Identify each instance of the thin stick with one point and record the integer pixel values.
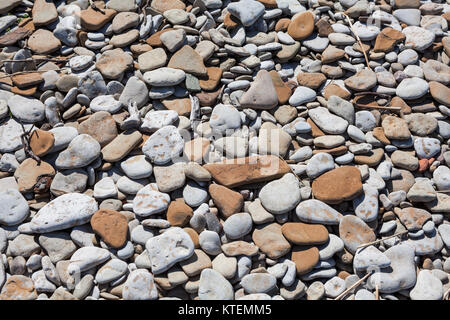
(378, 241)
(359, 41)
(377, 292)
(357, 283)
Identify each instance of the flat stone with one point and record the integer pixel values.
(413, 218)
(82, 150)
(164, 77)
(282, 195)
(305, 234)
(316, 211)
(113, 63)
(261, 94)
(171, 247)
(179, 213)
(395, 128)
(149, 201)
(28, 110)
(270, 240)
(64, 212)
(273, 140)
(427, 287)
(152, 60)
(214, 286)
(140, 285)
(121, 145)
(305, 258)
(366, 205)
(100, 126)
(258, 283)
(354, 232)
(41, 142)
(164, 145)
(228, 201)
(111, 225)
(43, 41)
(188, 60)
(29, 173)
(237, 172)
(93, 20)
(246, 11)
(370, 257)
(301, 26)
(328, 122)
(13, 207)
(18, 287)
(329, 187)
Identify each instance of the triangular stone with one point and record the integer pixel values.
(188, 60)
(262, 93)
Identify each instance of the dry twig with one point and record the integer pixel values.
(357, 283)
(379, 240)
(359, 41)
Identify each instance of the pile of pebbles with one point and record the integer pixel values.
(217, 149)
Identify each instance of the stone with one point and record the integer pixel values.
(366, 205)
(427, 287)
(228, 202)
(18, 287)
(401, 274)
(362, 80)
(327, 122)
(316, 211)
(301, 26)
(329, 187)
(258, 283)
(100, 126)
(29, 174)
(164, 77)
(66, 211)
(354, 232)
(13, 207)
(421, 124)
(395, 128)
(28, 110)
(169, 248)
(82, 150)
(237, 172)
(281, 196)
(305, 234)
(273, 140)
(305, 258)
(43, 13)
(149, 201)
(188, 60)
(214, 286)
(197, 262)
(247, 12)
(111, 225)
(413, 218)
(370, 257)
(440, 92)
(140, 285)
(270, 240)
(113, 63)
(58, 245)
(152, 60)
(43, 41)
(419, 38)
(164, 145)
(121, 145)
(261, 94)
(179, 213)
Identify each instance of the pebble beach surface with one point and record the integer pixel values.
(217, 149)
